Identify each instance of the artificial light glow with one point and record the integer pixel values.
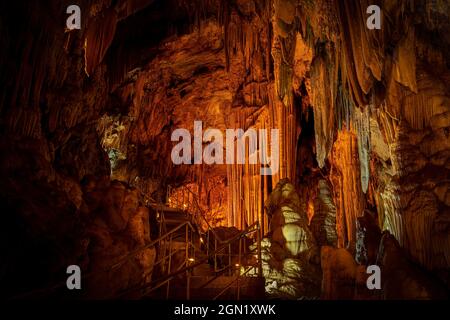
(310, 210)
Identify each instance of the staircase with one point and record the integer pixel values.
(191, 263)
(196, 264)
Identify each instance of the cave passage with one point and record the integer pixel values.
(225, 149)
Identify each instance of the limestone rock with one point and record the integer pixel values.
(289, 254)
(323, 223)
(119, 227)
(289, 225)
(339, 273)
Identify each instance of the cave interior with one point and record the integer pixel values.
(361, 149)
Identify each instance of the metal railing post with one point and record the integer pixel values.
(229, 258)
(187, 262)
(258, 234)
(207, 242)
(169, 266)
(238, 284)
(215, 254)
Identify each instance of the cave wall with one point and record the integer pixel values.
(49, 111)
(391, 101)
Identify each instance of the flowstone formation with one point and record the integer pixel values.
(323, 223)
(289, 255)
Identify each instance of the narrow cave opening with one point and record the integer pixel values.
(306, 157)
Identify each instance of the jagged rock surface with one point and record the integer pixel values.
(118, 226)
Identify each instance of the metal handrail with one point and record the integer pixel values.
(216, 236)
(224, 243)
(202, 214)
(149, 287)
(169, 277)
(152, 243)
(218, 274)
(168, 236)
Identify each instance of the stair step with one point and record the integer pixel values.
(176, 215)
(251, 288)
(203, 270)
(203, 280)
(221, 281)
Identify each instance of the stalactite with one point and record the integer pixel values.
(309, 34)
(344, 108)
(324, 78)
(365, 49)
(361, 125)
(245, 183)
(350, 202)
(284, 78)
(99, 36)
(248, 37)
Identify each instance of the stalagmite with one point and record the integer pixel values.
(288, 255)
(344, 108)
(323, 223)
